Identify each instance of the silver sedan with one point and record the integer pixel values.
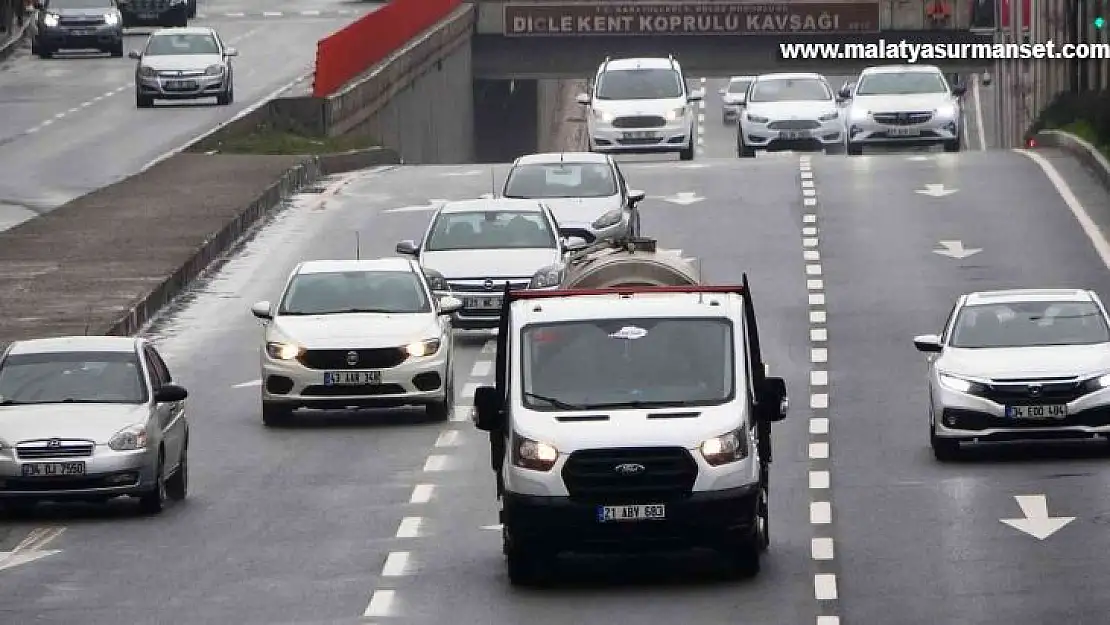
(91, 418)
(1019, 365)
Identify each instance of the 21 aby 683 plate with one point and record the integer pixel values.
(638, 512)
(53, 469)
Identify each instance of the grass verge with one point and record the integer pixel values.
(281, 142)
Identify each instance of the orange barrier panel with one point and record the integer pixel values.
(346, 53)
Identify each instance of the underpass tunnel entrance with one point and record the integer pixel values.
(506, 119)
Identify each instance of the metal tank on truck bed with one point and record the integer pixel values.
(621, 262)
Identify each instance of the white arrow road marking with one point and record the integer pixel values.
(685, 198)
(496, 527)
(936, 190)
(247, 384)
(430, 206)
(956, 249)
(1037, 523)
(31, 548)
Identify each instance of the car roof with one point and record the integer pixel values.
(617, 306)
(388, 263)
(1027, 295)
(492, 204)
(898, 69)
(61, 344)
(640, 63)
(790, 76)
(184, 30)
(568, 157)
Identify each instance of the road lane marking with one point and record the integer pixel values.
(409, 527)
(482, 369)
(422, 493)
(31, 548)
(435, 463)
(828, 620)
(821, 548)
(816, 299)
(813, 269)
(1090, 228)
(824, 586)
(818, 378)
(820, 513)
(461, 413)
(809, 231)
(448, 438)
(811, 256)
(818, 335)
(818, 451)
(247, 384)
(815, 284)
(818, 480)
(819, 425)
(809, 242)
(817, 316)
(818, 355)
(470, 389)
(381, 604)
(396, 564)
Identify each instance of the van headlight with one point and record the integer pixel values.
(960, 385)
(129, 439)
(756, 119)
(422, 348)
(604, 117)
(547, 277)
(828, 117)
(279, 350)
(534, 455)
(609, 219)
(726, 448)
(948, 111)
(50, 20)
(676, 114)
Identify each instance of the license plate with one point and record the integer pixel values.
(483, 303)
(80, 32)
(147, 15)
(641, 134)
(181, 84)
(640, 512)
(53, 469)
(352, 378)
(1051, 411)
(903, 132)
(795, 134)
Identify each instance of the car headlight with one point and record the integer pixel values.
(534, 455)
(947, 111)
(282, 351)
(603, 116)
(960, 385)
(828, 117)
(422, 348)
(148, 72)
(676, 114)
(610, 218)
(756, 119)
(547, 277)
(436, 281)
(50, 20)
(129, 439)
(111, 19)
(726, 448)
(214, 70)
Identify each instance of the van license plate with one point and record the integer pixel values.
(645, 512)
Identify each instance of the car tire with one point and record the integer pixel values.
(45, 53)
(177, 486)
(275, 414)
(34, 45)
(116, 50)
(952, 146)
(944, 449)
(143, 101)
(634, 225)
(523, 564)
(687, 153)
(742, 150)
(153, 501)
(441, 410)
(227, 97)
(855, 149)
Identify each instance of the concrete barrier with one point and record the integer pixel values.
(1081, 149)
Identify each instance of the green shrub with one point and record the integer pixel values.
(1084, 114)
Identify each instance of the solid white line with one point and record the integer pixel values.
(818, 451)
(813, 270)
(807, 184)
(821, 548)
(381, 603)
(828, 620)
(809, 219)
(819, 425)
(978, 112)
(820, 513)
(818, 335)
(435, 463)
(824, 586)
(809, 242)
(59, 115)
(818, 480)
(809, 231)
(422, 493)
(815, 285)
(481, 369)
(86, 104)
(107, 94)
(816, 299)
(819, 400)
(818, 378)
(1089, 227)
(470, 389)
(448, 438)
(409, 527)
(817, 316)
(395, 564)
(818, 354)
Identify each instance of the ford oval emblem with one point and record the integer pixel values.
(629, 469)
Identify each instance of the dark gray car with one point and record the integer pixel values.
(77, 25)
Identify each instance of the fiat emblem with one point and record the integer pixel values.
(629, 469)
(352, 358)
(488, 284)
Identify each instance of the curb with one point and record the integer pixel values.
(145, 309)
(342, 162)
(10, 46)
(1087, 154)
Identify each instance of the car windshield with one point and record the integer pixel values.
(901, 83)
(336, 292)
(627, 362)
(483, 230)
(790, 90)
(639, 84)
(80, 4)
(738, 86)
(191, 43)
(72, 377)
(1029, 324)
(561, 180)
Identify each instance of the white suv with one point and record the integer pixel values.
(642, 106)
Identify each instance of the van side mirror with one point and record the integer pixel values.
(488, 415)
(449, 304)
(928, 343)
(959, 90)
(134, 54)
(170, 393)
(773, 399)
(582, 98)
(635, 196)
(261, 310)
(408, 248)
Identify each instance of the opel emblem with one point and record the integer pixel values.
(1035, 390)
(629, 469)
(352, 358)
(53, 443)
(488, 284)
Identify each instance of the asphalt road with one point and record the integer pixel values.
(70, 124)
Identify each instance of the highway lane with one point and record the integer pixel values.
(71, 126)
(296, 526)
(912, 534)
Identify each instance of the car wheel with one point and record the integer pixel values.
(177, 487)
(742, 150)
(687, 153)
(274, 414)
(45, 53)
(634, 227)
(855, 149)
(524, 564)
(944, 449)
(224, 98)
(763, 519)
(154, 501)
(952, 146)
(441, 410)
(143, 101)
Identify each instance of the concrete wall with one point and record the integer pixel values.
(561, 126)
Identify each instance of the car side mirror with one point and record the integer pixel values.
(231, 52)
(573, 244)
(408, 248)
(135, 54)
(928, 343)
(985, 79)
(695, 96)
(635, 196)
(582, 98)
(773, 397)
(959, 90)
(488, 415)
(170, 393)
(261, 310)
(845, 93)
(449, 304)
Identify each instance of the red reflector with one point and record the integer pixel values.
(1031, 142)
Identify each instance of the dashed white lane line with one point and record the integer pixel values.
(422, 493)
(819, 425)
(448, 438)
(435, 463)
(825, 587)
(461, 413)
(482, 369)
(813, 270)
(828, 620)
(818, 451)
(817, 316)
(409, 527)
(381, 604)
(820, 513)
(818, 480)
(469, 390)
(815, 284)
(819, 400)
(396, 564)
(822, 548)
(818, 335)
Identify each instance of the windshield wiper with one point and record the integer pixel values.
(637, 403)
(558, 403)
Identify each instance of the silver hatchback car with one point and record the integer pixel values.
(1018, 365)
(91, 418)
(184, 64)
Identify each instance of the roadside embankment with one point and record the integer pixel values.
(106, 262)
